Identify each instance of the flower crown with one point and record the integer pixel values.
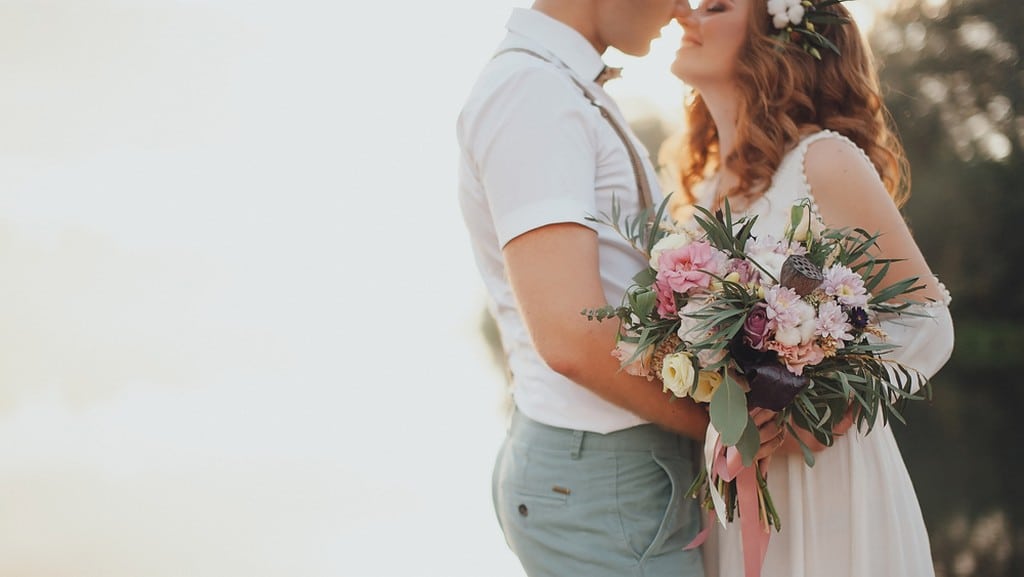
(796, 19)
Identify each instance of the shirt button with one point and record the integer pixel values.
(523, 510)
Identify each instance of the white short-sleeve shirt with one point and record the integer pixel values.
(534, 152)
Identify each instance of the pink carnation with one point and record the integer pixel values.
(798, 356)
(666, 299)
(690, 267)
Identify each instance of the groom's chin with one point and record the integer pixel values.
(638, 51)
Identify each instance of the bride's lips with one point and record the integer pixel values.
(688, 41)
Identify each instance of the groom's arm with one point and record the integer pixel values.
(554, 272)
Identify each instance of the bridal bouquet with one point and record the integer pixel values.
(736, 321)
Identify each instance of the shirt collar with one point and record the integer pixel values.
(558, 38)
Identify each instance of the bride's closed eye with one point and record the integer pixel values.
(715, 7)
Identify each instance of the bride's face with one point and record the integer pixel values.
(713, 35)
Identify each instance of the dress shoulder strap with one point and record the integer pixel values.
(801, 150)
(796, 163)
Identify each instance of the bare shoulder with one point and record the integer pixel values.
(845, 185)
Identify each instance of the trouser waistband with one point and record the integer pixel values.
(644, 438)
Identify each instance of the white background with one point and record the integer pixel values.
(239, 324)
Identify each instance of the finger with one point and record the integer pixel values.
(767, 450)
(772, 432)
(762, 416)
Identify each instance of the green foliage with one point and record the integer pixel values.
(729, 411)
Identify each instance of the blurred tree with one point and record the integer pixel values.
(953, 80)
(955, 86)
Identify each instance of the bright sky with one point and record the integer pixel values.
(241, 325)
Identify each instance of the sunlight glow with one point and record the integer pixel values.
(648, 88)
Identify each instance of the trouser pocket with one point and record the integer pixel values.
(655, 515)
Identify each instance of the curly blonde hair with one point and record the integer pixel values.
(786, 93)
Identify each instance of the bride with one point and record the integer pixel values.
(784, 109)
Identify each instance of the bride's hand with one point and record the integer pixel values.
(772, 432)
(791, 445)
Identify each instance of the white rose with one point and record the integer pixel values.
(677, 374)
(667, 242)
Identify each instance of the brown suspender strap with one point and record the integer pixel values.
(643, 187)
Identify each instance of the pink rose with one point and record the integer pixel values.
(756, 327)
(690, 267)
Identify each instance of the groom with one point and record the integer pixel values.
(592, 475)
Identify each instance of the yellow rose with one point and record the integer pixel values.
(707, 384)
(677, 374)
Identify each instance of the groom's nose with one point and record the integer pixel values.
(682, 9)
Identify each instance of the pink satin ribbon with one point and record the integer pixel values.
(728, 465)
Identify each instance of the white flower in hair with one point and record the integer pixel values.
(777, 10)
(805, 23)
(785, 12)
(796, 14)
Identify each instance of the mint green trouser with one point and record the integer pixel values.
(582, 504)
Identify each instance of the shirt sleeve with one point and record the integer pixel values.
(536, 153)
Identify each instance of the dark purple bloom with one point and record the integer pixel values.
(858, 318)
(773, 386)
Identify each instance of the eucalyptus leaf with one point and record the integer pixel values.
(729, 410)
(749, 442)
(644, 303)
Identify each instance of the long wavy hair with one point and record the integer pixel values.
(786, 93)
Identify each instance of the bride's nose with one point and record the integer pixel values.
(688, 20)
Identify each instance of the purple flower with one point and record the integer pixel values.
(756, 327)
(858, 318)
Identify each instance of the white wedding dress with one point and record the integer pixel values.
(855, 512)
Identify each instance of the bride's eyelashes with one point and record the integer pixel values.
(715, 6)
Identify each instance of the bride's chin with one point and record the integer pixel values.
(679, 70)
